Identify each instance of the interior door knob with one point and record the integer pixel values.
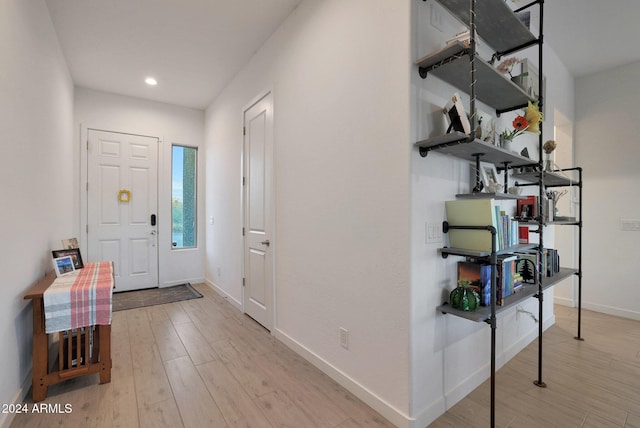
(267, 243)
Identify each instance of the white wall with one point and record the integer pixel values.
(608, 148)
(173, 125)
(339, 71)
(451, 356)
(36, 172)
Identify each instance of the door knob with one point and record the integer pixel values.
(267, 243)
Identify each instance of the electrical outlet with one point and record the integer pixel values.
(344, 338)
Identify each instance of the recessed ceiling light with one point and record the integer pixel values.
(150, 81)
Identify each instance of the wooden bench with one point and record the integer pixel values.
(81, 351)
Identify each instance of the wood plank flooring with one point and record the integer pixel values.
(201, 363)
(594, 383)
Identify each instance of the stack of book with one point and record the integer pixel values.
(478, 275)
(480, 212)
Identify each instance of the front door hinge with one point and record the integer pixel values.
(243, 180)
(243, 283)
(87, 228)
(244, 130)
(243, 231)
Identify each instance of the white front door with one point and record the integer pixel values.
(257, 189)
(122, 206)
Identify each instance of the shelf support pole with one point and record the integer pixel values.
(541, 220)
(579, 337)
(492, 321)
(472, 60)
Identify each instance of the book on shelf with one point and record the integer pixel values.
(523, 235)
(471, 212)
(480, 212)
(479, 277)
(506, 277)
(528, 264)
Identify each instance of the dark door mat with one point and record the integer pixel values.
(153, 296)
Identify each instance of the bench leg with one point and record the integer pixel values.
(104, 337)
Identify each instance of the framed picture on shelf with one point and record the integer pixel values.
(489, 176)
(74, 253)
(458, 120)
(70, 243)
(63, 266)
(532, 85)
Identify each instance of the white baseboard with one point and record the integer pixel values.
(429, 414)
(183, 281)
(392, 414)
(563, 301)
(236, 303)
(7, 418)
(453, 396)
(610, 310)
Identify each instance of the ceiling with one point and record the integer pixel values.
(194, 47)
(593, 35)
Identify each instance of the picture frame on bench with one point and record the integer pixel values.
(74, 253)
(63, 266)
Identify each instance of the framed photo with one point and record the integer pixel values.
(73, 253)
(458, 120)
(489, 175)
(70, 243)
(63, 266)
(532, 85)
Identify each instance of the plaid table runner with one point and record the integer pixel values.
(81, 299)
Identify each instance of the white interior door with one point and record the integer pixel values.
(258, 242)
(118, 229)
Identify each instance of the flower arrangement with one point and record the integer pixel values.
(549, 146)
(534, 116)
(520, 124)
(506, 66)
(530, 122)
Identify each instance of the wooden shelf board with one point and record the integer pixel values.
(483, 195)
(550, 178)
(483, 313)
(458, 145)
(496, 90)
(496, 23)
(481, 254)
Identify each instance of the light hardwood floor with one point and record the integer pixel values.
(201, 363)
(594, 383)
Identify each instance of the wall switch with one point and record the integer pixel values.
(630, 225)
(433, 232)
(344, 338)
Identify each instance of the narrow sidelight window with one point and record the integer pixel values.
(183, 197)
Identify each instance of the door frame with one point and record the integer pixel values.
(272, 206)
(84, 181)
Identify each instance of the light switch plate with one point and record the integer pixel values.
(433, 232)
(630, 225)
